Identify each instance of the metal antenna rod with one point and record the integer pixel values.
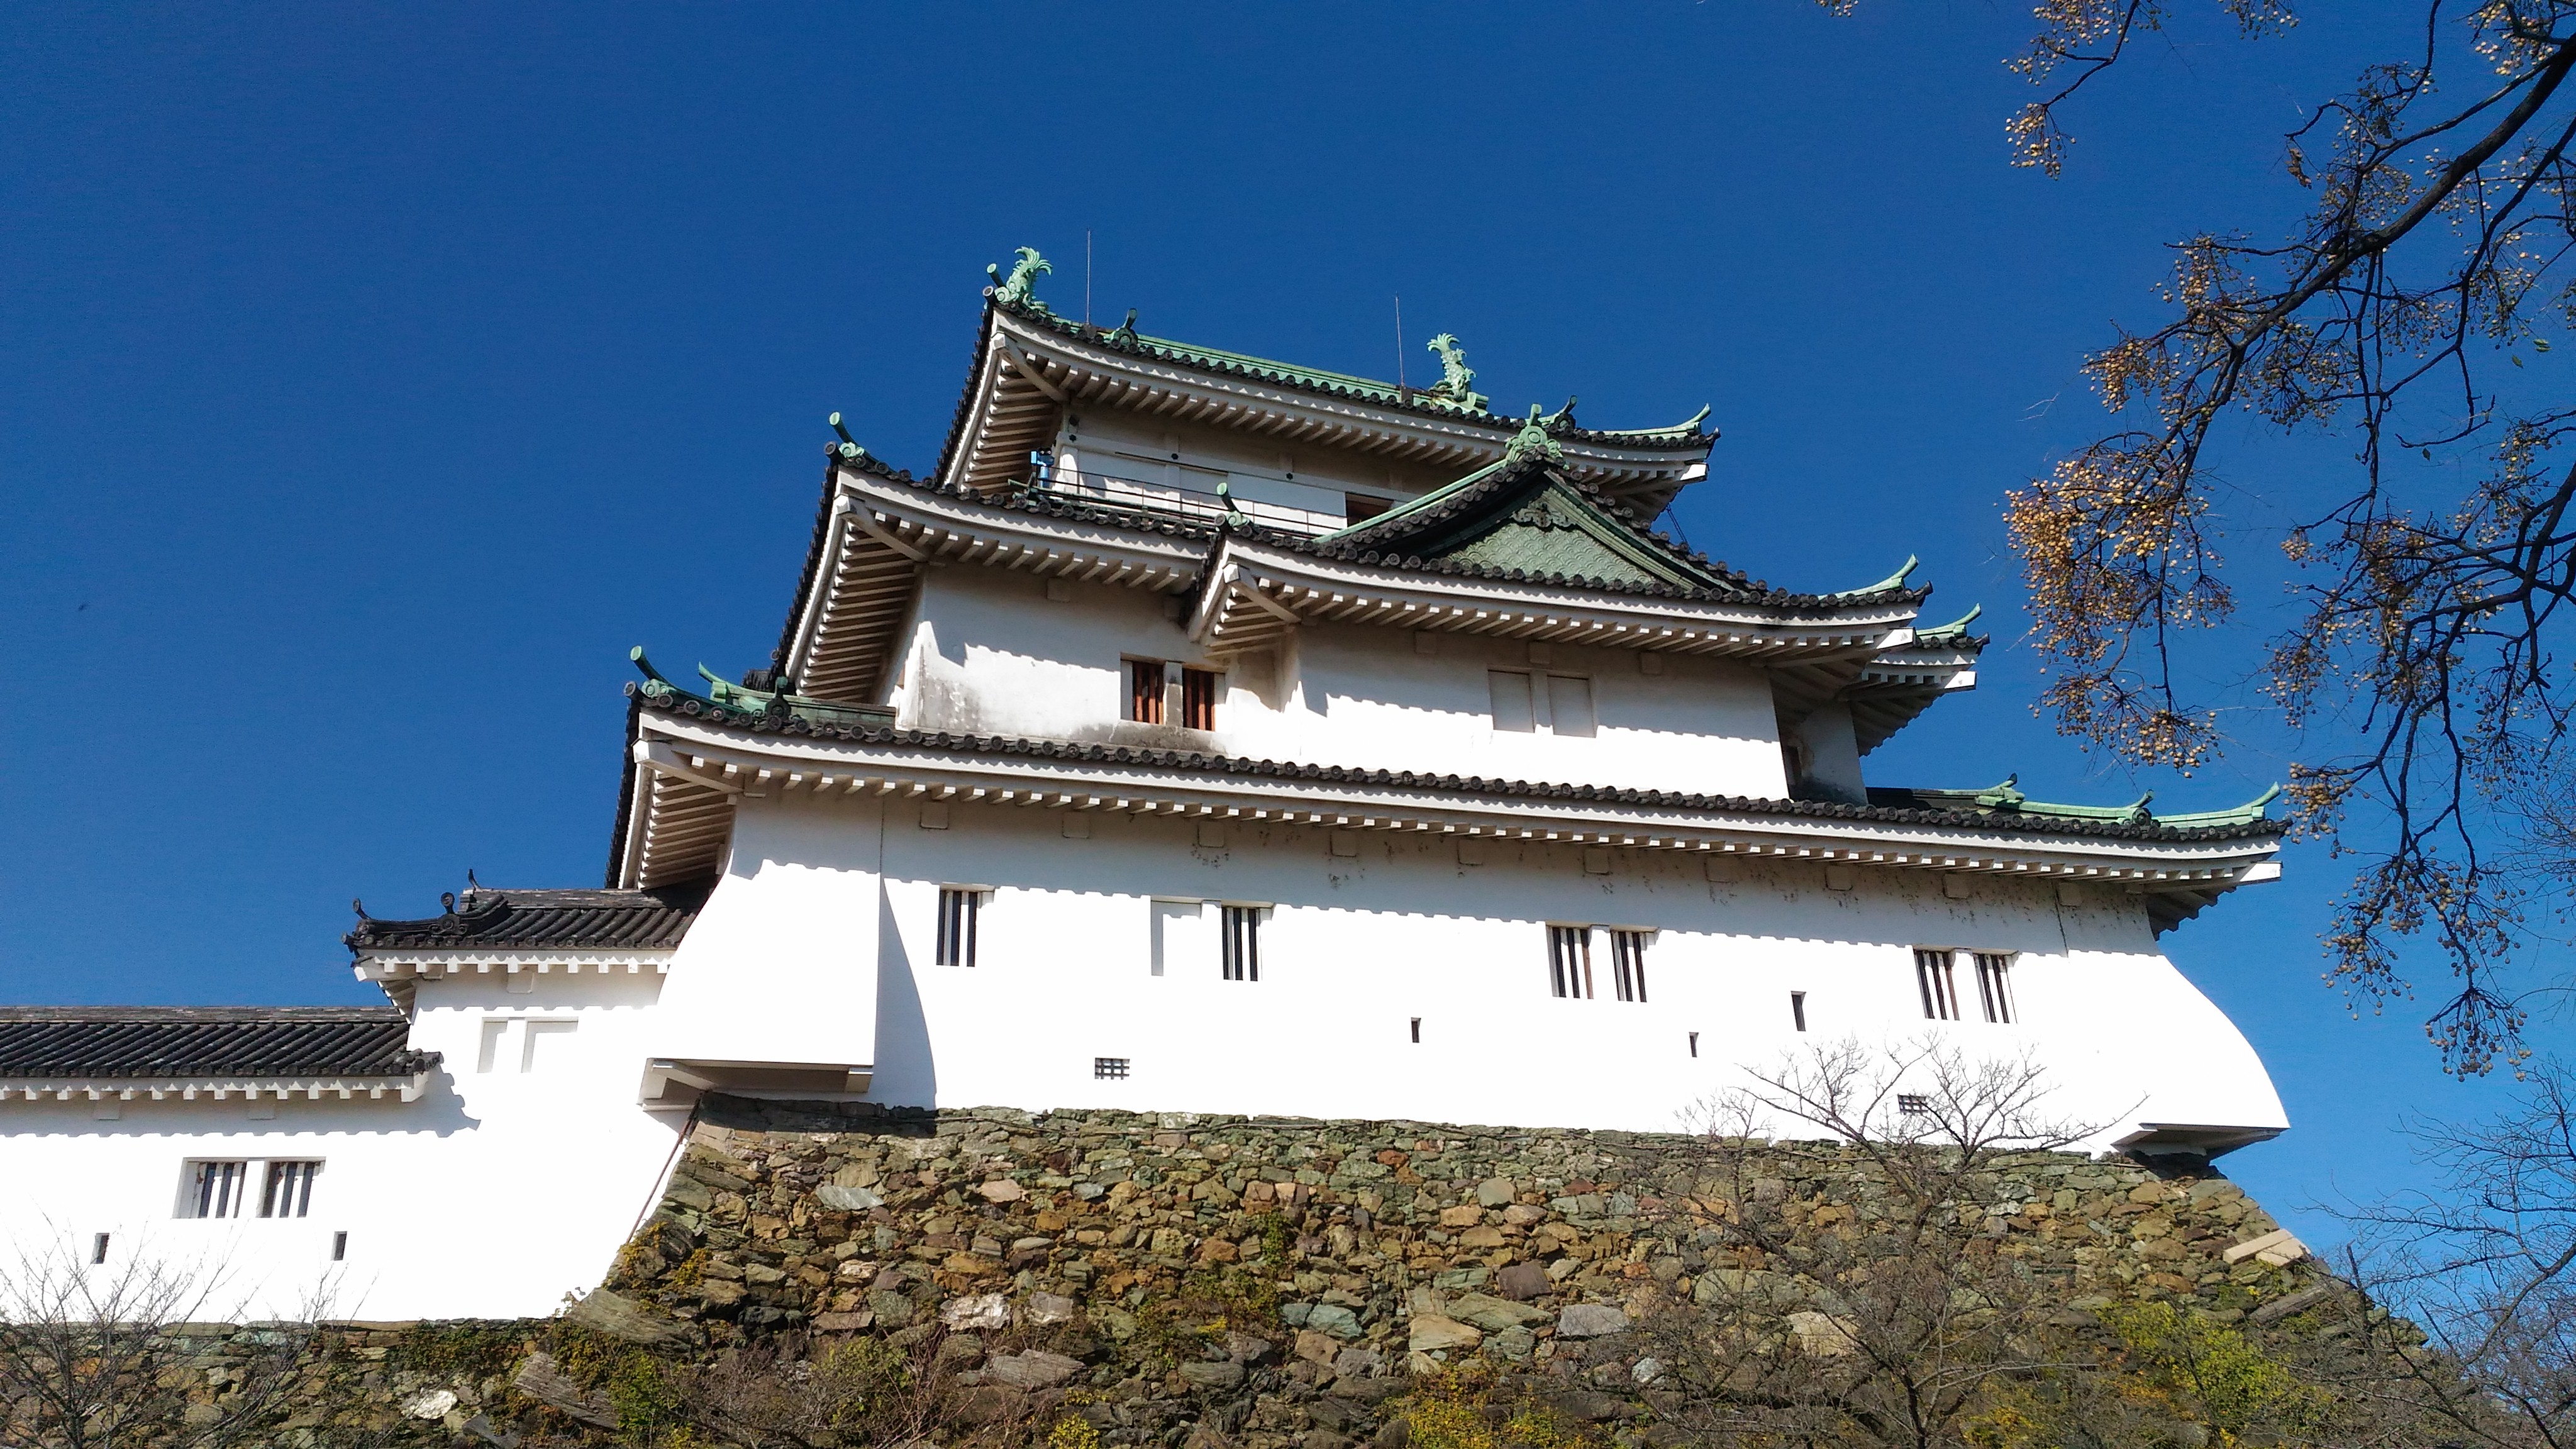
(1086, 276)
(1399, 343)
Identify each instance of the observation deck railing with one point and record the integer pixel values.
(1172, 501)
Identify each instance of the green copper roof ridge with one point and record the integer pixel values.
(2007, 797)
(1954, 629)
(1413, 506)
(1895, 580)
(1687, 425)
(1392, 391)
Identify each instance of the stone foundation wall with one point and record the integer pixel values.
(1213, 1281)
(1279, 1279)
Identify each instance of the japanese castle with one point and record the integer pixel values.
(1199, 734)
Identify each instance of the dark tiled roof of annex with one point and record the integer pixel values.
(542, 920)
(1958, 808)
(207, 1041)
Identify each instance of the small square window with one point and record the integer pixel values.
(1109, 1069)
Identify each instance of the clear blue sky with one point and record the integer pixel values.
(371, 378)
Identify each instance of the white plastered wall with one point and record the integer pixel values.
(1357, 946)
(780, 965)
(992, 654)
(494, 1195)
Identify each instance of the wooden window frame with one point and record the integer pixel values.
(1936, 979)
(1994, 986)
(1569, 962)
(1238, 942)
(1200, 690)
(214, 1187)
(1628, 962)
(1146, 681)
(286, 1187)
(961, 909)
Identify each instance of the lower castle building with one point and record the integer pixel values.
(1200, 734)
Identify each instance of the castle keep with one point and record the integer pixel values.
(1201, 734)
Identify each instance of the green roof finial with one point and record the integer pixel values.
(1456, 377)
(1533, 440)
(1019, 289)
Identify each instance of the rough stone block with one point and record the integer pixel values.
(1591, 1320)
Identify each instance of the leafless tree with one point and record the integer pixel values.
(91, 1356)
(2411, 313)
(1880, 1309)
(2485, 1268)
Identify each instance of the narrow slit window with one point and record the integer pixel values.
(215, 1189)
(339, 1247)
(1694, 1043)
(1994, 986)
(288, 1191)
(1198, 698)
(1933, 976)
(1145, 690)
(1628, 963)
(1798, 1009)
(1569, 961)
(958, 908)
(1241, 943)
(1417, 1031)
(98, 1249)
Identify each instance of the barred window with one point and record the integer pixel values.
(1109, 1069)
(958, 908)
(1628, 963)
(1933, 977)
(1145, 691)
(1198, 698)
(288, 1192)
(1240, 946)
(1914, 1105)
(215, 1189)
(1994, 986)
(1569, 961)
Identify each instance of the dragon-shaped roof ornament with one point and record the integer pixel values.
(1456, 377)
(1019, 289)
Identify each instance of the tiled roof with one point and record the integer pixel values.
(207, 1041)
(564, 920)
(1680, 438)
(2256, 827)
(1467, 515)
